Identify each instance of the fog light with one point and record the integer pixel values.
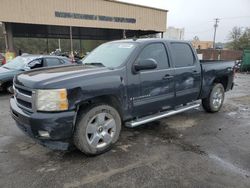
(44, 134)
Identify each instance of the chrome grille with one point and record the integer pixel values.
(24, 97)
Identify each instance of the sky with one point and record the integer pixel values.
(197, 16)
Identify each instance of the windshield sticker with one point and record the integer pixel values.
(125, 46)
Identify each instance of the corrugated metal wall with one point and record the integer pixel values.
(43, 12)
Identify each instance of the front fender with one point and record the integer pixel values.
(96, 88)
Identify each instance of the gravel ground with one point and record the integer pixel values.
(192, 149)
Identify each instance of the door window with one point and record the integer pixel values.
(49, 62)
(157, 52)
(37, 63)
(182, 55)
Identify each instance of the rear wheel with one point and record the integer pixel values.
(97, 129)
(214, 101)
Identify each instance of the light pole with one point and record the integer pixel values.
(215, 28)
(71, 39)
(59, 44)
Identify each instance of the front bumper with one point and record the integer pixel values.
(59, 126)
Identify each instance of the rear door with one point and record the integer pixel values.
(157, 85)
(187, 72)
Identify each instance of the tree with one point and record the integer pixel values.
(244, 40)
(239, 38)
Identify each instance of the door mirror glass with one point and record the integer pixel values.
(145, 64)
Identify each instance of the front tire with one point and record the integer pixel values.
(214, 101)
(97, 129)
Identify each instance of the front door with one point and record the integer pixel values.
(157, 85)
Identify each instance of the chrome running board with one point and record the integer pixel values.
(160, 115)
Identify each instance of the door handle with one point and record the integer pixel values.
(194, 71)
(167, 76)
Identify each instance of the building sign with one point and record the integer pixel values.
(94, 17)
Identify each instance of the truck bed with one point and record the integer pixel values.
(219, 69)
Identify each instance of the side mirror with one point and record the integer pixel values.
(145, 64)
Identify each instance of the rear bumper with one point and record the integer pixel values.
(232, 86)
(58, 125)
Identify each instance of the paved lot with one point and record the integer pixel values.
(193, 149)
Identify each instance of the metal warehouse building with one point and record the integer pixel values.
(78, 19)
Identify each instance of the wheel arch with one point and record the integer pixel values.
(7, 83)
(222, 80)
(111, 100)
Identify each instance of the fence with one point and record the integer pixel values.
(211, 54)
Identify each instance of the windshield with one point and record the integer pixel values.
(110, 54)
(18, 63)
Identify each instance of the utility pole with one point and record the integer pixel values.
(71, 42)
(59, 44)
(124, 34)
(5, 38)
(215, 28)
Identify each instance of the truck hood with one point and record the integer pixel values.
(44, 77)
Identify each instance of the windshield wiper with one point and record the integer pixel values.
(95, 64)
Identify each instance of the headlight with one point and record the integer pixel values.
(52, 100)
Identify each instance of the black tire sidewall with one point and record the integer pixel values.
(80, 139)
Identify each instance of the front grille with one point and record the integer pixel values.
(26, 92)
(23, 97)
(24, 103)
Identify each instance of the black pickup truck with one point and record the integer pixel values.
(128, 81)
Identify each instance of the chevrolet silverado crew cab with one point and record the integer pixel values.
(130, 82)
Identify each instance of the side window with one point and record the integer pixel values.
(157, 52)
(61, 61)
(182, 55)
(37, 63)
(49, 62)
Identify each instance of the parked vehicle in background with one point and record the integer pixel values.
(25, 63)
(2, 59)
(237, 66)
(76, 59)
(128, 81)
